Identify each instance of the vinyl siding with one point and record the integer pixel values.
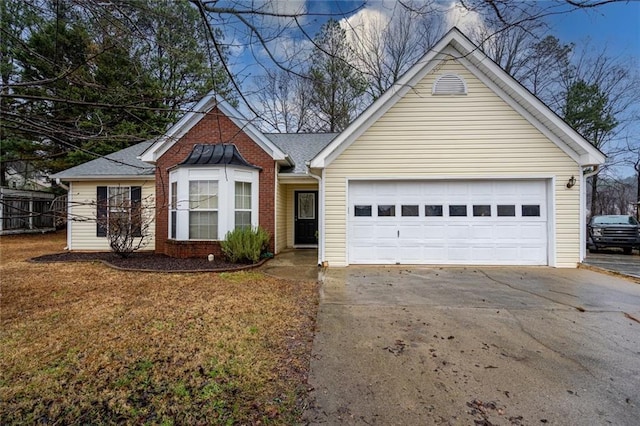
(281, 217)
(285, 212)
(477, 135)
(82, 212)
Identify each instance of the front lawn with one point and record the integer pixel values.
(83, 343)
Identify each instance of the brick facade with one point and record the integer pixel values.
(214, 128)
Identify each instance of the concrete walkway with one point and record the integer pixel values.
(294, 264)
(464, 346)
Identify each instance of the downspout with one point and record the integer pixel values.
(583, 205)
(320, 212)
(62, 185)
(595, 171)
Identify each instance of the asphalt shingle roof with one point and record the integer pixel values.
(301, 147)
(119, 163)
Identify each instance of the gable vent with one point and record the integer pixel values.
(449, 84)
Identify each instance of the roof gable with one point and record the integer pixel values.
(455, 45)
(193, 117)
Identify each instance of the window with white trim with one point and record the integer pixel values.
(205, 203)
(243, 205)
(173, 208)
(203, 210)
(119, 202)
(118, 205)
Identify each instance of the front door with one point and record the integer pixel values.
(306, 217)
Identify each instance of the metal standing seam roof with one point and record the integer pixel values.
(301, 147)
(216, 154)
(119, 163)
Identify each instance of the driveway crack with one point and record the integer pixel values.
(540, 342)
(579, 308)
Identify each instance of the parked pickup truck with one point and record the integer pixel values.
(613, 231)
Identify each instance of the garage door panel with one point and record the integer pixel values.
(504, 235)
(482, 232)
(458, 231)
(458, 254)
(482, 254)
(532, 231)
(507, 232)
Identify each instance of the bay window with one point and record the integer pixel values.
(203, 210)
(207, 202)
(243, 205)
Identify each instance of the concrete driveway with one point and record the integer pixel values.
(465, 346)
(615, 261)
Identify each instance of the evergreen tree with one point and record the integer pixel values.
(91, 78)
(338, 87)
(588, 111)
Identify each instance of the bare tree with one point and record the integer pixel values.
(251, 26)
(284, 100)
(386, 46)
(600, 95)
(128, 224)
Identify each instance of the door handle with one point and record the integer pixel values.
(398, 233)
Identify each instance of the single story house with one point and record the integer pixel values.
(457, 163)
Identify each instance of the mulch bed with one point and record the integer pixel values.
(151, 262)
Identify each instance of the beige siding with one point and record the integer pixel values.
(281, 217)
(82, 212)
(285, 205)
(476, 136)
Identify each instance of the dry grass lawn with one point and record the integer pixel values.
(85, 344)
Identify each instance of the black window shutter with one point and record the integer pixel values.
(101, 200)
(136, 212)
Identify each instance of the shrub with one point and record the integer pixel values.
(245, 244)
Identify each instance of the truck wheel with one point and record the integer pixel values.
(627, 250)
(593, 250)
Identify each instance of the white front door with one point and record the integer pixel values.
(498, 222)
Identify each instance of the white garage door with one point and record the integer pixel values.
(448, 222)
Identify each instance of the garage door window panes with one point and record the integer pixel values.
(457, 211)
(410, 211)
(362, 211)
(433, 210)
(482, 210)
(506, 210)
(458, 222)
(531, 210)
(386, 210)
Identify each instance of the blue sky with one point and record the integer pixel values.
(615, 25)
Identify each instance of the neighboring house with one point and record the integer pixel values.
(18, 175)
(456, 164)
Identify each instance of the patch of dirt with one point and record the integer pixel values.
(146, 262)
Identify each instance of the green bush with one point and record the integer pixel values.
(245, 244)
